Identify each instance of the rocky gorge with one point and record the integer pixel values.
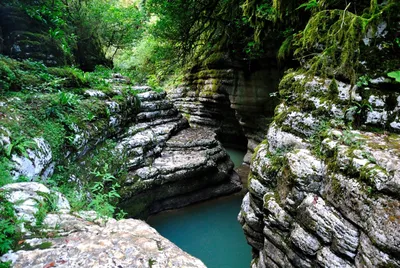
(86, 156)
(168, 164)
(320, 193)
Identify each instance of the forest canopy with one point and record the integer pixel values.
(153, 39)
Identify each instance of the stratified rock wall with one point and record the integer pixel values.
(171, 165)
(236, 105)
(320, 193)
(168, 164)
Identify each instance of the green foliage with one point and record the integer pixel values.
(198, 29)
(310, 5)
(9, 233)
(359, 107)
(318, 136)
(67, 99)
(5, 264)
(52, 13)
(49, 204)
(331, 40)
(363, 81)
(7, 77)
(35, 76)
(19, 146)
(395, 75)
(350, 138)
(5, 167)
(68, 77)
(326, 28)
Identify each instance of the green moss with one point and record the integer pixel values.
(27, 246)
(267, 197)
(253, 157)
(338, 34)
(289, 86)
(333, 90)
(70, 77)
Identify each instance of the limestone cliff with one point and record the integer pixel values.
(320, 193)
(233, 102)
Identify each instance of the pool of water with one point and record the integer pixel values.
(208, 231)
(236, 156)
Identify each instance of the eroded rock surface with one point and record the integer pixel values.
(123, 243)
(234, 104)
(321, 195)
(83, 243)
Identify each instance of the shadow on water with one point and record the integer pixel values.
(236, 156)
(209, 230)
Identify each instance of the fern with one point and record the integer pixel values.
(19, 146)
(310, 5)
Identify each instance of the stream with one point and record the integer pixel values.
(209, 230)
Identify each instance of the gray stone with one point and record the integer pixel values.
(37, 164)
(329, 225)
(304, 240)
(276, 254)
(124, 243)
(328, 259)
(277, 216)
(248, 216)
(306, 170)
(26, 198)
(281, 140)
(371, 257)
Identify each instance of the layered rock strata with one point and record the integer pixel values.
(320, 193)
(236, 105)
(76, 241)
(168, 165)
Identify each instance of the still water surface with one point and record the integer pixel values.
(236, 156)
(209, 230)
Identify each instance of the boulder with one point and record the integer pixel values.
(80, 239)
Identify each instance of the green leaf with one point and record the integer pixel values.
(309, 5)
(395, 75)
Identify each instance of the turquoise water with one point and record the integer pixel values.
(236, 156)
(208, 231)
